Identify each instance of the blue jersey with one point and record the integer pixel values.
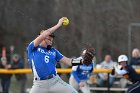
(43, 61)
(81, 72)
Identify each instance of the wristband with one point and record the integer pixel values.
(76, 62)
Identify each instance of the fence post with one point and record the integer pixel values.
(108, 84)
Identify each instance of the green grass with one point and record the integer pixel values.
(15, 88)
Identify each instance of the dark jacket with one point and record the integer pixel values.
(133, 75)
(135, 61)
(4, 76)
(18, 65)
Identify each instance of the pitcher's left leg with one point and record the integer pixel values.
(62, 87)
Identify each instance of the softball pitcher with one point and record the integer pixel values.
(80, 73)
(43, 58)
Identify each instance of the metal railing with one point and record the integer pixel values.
(64, 70)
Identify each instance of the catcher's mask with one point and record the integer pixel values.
(88, 56)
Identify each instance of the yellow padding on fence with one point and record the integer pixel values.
(64, 70)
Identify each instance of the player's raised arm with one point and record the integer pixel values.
(48, 32)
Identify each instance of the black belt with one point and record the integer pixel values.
(46, 78)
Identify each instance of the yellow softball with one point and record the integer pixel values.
(65, 22)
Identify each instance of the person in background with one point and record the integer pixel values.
(5, 78)
(135, 60)
(103, 77)
(127, 72)
(21, 78)
(135, 63)
(80, 73)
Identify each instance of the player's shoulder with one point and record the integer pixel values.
(30, 43)
(54, 49)
(30, 46)
(129, 67)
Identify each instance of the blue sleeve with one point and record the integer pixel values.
(75, 76)
(30, 47)
(59, 56)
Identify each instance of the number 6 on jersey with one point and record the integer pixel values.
(46, 59)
